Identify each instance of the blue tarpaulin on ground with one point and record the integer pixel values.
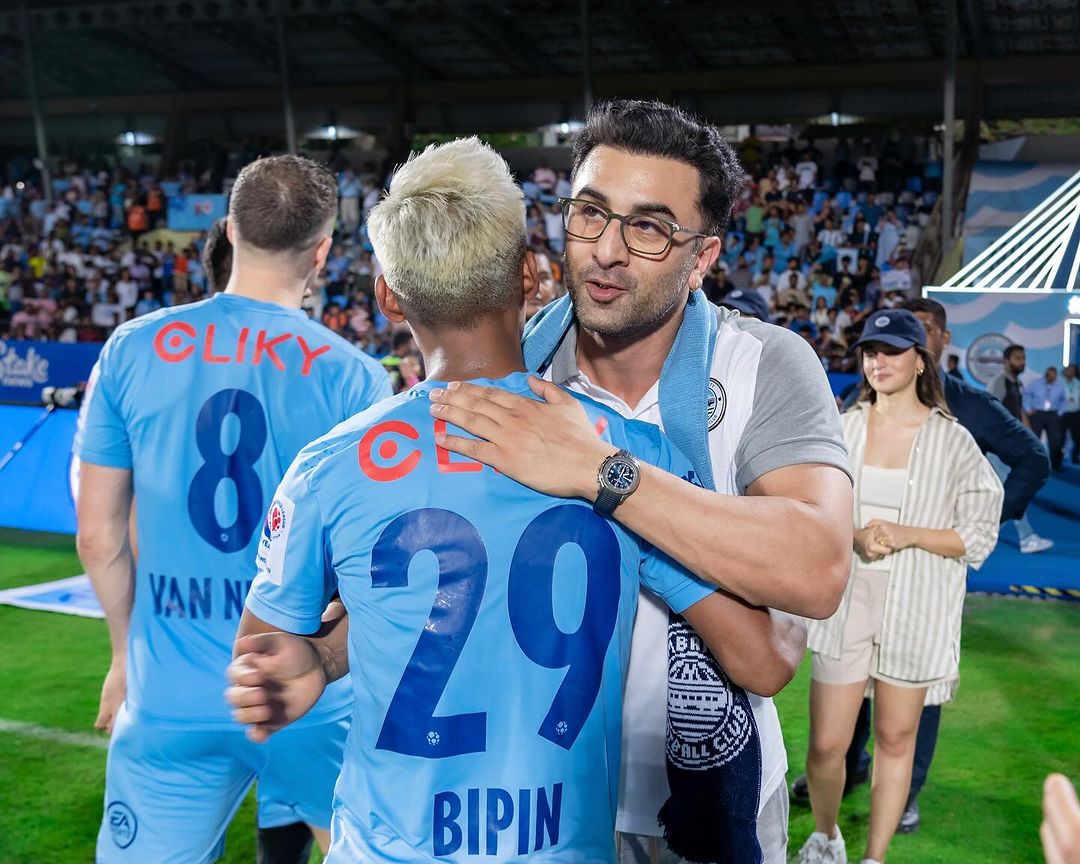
(1055, 514)
(35, 488)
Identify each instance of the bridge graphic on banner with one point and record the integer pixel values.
(1039, 253)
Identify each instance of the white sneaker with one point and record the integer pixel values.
(813, 850)
(819, 849)
(1035, 543)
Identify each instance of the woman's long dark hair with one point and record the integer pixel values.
(927, 386)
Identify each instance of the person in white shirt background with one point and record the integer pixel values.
(1071, 417)
(807, 172)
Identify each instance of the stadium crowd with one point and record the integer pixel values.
(823, 243)
(818, 249)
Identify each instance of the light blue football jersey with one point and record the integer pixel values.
(489, 636)
(209, 404)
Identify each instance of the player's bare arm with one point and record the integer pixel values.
(104, 508)
(276, 677)
(784, 545)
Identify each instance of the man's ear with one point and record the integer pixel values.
(388, 303)
(946, 338)
(530, 280)
(230, 232)
(322, 252)
(707, 254)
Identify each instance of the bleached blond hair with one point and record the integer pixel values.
(450, 234)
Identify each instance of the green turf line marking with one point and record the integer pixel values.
(58, 736)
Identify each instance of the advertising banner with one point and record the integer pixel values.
(195, 212)
(28, 367)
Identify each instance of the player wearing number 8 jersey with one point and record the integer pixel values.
(198, 410)
(489, 625)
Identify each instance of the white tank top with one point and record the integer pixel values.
(881, 494)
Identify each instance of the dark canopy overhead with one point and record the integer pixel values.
(134, 47)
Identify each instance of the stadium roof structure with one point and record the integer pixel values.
(769, 53)
(1040, 253)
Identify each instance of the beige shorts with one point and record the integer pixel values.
(861, 644)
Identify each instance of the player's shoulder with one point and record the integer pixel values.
(321, 454)
(138, 330)
(641, 438)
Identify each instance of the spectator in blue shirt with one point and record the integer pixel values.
(349, 188)
(768, 265)
(774, 225)
(733, 248)
(337, 265)
(148, 303)
(821, 288)
(753, 252)
(1044, 403)
(788, 248)
(871, 210)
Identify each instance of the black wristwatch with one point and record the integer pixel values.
(616, 480)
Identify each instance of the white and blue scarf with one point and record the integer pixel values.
(713, 746)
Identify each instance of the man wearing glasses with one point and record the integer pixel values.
(746, 401)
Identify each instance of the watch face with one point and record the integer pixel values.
(620, 475)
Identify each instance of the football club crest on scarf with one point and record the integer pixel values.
(707, 725)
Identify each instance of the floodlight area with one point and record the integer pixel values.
(132, 138)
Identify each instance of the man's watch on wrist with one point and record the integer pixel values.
(616, 480)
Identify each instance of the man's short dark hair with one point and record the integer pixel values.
(931, 307)
(653, 128)
(1012, 349)
(217, 257)
(283, 203)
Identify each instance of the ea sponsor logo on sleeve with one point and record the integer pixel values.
(716, 403)
(122, 823)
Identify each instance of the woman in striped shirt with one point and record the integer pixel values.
(926, 505)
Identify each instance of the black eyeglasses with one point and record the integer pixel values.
(646, 235)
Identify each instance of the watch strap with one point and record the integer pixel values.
(608, 499)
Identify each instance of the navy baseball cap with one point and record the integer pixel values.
(749, 303)
(896, 327)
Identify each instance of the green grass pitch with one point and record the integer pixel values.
(1017, 717)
